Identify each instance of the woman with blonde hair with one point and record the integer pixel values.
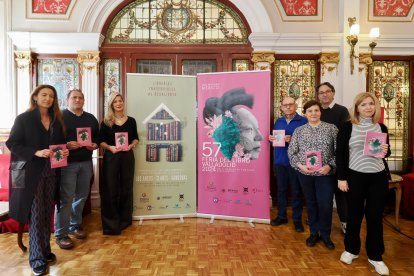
(365, 180)
(118, 167)
(33, 182)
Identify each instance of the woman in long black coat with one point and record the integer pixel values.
(31, 200)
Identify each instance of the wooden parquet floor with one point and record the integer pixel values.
(196, 247)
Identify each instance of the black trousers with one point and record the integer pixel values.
(116, 191)
(341, 204)
(366, 196)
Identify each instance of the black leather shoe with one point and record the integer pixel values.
(328, 242)
(299, 226)
(50, 258)
(312, 240)
(40, 270)
(278, 221)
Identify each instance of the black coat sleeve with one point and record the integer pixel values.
(17, 140)
(342, 150)
(384, 129)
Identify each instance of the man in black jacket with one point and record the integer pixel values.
(336, 114)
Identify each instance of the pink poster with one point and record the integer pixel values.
(121, 141)
(84, 136)
(373, 142)
(313, 160)
(233, 154)
(57, 159)
(279, 135)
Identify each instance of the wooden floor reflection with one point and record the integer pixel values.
(196, 247)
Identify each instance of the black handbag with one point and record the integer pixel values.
(17, 172)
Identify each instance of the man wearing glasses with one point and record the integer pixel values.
(285, 174)
(336, 114)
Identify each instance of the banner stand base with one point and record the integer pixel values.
(250, 221)
(212, 217)
(174, 216)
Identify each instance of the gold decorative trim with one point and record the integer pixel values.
(329, 57)
(88, 57)
(263, 60)
(365, 59)
(266, 56)
(23, 59)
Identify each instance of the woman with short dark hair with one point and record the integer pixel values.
(312, 153)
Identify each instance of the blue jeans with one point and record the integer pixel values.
(284, 176)
(318, 192)
(74, 190)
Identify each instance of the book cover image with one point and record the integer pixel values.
(57, 159)
(279, 135)
(121, 140)
(313, 160)
(372, 145)
(84, 136)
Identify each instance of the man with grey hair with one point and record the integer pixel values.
(285, 174)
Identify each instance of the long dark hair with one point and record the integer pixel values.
(54, 109)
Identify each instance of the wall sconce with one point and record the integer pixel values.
(352, 39)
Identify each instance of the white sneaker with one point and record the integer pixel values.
(343, 227)
(347, 257)
(380, 267)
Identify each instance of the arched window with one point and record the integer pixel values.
(177, 21)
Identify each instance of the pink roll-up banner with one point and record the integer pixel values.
(233, 151)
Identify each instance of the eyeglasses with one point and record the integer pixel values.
(288, 105)
(324, 92)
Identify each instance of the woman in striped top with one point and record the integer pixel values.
(365, 179)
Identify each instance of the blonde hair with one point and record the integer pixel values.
(57, 114)
(109, 118)
(354, 114)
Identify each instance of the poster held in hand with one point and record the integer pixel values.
(373, 142)
(279, 135)
(121, 141)
(57, 159)
(313, 160)
(84, 137)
